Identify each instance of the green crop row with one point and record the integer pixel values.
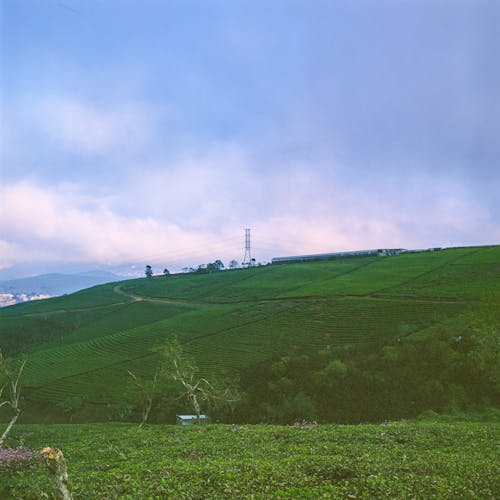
(456, 273)
(222, 338)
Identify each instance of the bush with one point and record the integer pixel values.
(14, 459)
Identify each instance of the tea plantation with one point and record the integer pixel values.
(79, 348)
(394, 460)
(377, 341)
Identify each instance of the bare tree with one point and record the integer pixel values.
(197, 390)
(147, 393)
(12, 390)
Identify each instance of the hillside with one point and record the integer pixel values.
(81, 345)
(19, 290)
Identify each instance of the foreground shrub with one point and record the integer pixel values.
(20, 458)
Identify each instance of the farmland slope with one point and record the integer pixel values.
(82, 345)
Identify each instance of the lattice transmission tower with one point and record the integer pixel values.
(247, 259)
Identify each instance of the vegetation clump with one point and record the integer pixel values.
(450, 367)
(17, 459)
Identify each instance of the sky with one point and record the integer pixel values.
(156, 131)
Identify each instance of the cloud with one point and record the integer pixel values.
(303, 214)
(317, 200)
(59, 223)
(9, 253)
(85, 127)
(331, 127)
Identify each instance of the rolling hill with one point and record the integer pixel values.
(14, 291)
(81, 345)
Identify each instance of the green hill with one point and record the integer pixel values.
(81, 345)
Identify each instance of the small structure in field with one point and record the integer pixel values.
(330, 256)
(192, 419)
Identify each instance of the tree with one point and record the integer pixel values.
(233, 264)
(146, 393)
(215, 266)
(149, 271)
(197, 390)
(166, 272)
(71, 404)
(9, 384)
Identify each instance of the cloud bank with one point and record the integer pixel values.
(190, 213)
(134, 134)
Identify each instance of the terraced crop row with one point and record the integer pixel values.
(459, 280)
(433, 274)
(46, 368)
(244, 285)
(222, 341)
(260, 312)
(312, 329)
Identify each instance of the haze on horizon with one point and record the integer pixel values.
(157, 131)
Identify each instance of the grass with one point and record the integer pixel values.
(83, 344)
(399, 460)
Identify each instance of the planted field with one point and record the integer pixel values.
(221, 339)
(82, 345)
(472, 276)
(399, 460)
(349, 276)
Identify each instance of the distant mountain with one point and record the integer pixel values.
(44, 286)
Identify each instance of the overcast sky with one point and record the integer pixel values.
(157, 131)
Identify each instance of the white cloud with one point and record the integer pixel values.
(82, 126)
(59, 224)
(196, 210)
(311, 207)
(8, 253)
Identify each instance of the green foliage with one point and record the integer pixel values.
(335, 369)
(71, 403)
(453, 366)
(397, 460)
(215, 266)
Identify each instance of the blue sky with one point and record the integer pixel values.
(156, 131)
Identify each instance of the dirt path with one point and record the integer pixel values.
(131, 298)
(140, 298)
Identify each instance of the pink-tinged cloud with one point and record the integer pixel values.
(303, 215)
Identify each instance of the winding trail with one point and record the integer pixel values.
(140, 298)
